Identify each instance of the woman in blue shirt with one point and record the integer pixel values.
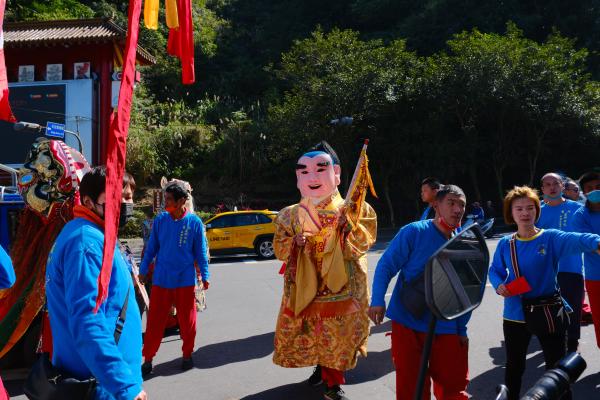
(538, 252)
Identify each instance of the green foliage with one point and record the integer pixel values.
(133, 227)
(168, 139)
(204, 216)
(440, 87)
(23, 10)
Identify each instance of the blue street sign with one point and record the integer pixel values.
(55, 130)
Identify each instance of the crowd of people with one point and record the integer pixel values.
(543, 265)
(323, 321)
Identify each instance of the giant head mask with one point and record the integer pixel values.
(50, 176)
(318, 173)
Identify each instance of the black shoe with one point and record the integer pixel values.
(187, 363)
(315, 379)
(172, 331)
(335, 393)
(146, 368)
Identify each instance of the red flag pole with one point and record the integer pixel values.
(116, 149)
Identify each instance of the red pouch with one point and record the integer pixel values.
(518, 286)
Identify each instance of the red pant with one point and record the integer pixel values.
(332, 377)
(161, 300)
(593, 290)
(448, 364)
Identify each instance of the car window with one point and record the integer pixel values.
(222, 222)
(263, 219)
(246, 219)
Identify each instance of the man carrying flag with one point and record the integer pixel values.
(323, 240)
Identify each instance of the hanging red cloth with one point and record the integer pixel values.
(5, 111)
(181, 41)
(116, 149)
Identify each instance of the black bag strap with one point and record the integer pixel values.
(121, 319)
(513, 256)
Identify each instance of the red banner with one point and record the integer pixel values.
(116, 150)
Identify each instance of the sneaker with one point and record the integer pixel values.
(335, 393)
(146, 368)
(315, 379)
(187, 363)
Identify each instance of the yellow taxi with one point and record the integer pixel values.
(237, 232)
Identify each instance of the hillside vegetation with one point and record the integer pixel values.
(484, 94)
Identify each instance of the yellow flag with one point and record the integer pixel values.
(357, 191)
(171, 14)
(151, 13)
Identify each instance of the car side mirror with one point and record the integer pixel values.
(456, 274)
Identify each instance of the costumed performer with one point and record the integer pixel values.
(48, 182)
(323, 316)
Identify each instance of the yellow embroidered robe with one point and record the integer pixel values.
(333, 328)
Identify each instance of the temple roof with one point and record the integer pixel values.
(73, 31)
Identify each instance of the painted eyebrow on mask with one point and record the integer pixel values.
(300, 166)
(323, 164)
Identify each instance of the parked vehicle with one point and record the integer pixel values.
(238, 232)
(11, 203)
(486, 225)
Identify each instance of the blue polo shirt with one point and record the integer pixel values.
(561, 217)
(406, 256)
(176, 244)
(538, 258)
(428, 213)
(589, 222)
(83, 341)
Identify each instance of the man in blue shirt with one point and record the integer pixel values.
(587, 219)
(178, 241)
(83, 341)
(557, 213)
(407, 255)
(429, 188)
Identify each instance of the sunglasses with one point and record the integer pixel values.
(574, 189)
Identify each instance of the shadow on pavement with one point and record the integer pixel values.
(294, 391)
(14, 388)
(588, 387)
(484, 386)
(375, 366)
(382, 328)
(219, 354)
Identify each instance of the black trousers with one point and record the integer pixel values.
(571, 289)
(516, 340)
